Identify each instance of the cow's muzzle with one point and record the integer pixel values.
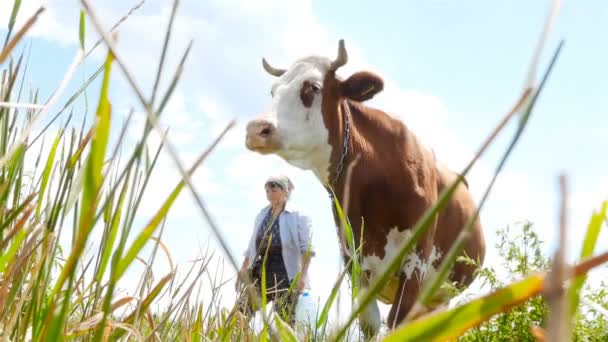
(262, 136)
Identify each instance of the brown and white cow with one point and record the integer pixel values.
(314, 114)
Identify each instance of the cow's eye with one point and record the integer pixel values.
(315, 87)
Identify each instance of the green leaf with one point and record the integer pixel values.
(47, 172)
(593, 231)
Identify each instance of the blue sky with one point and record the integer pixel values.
(452, 70)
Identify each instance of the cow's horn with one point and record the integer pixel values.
(342, 56)
(272, 70)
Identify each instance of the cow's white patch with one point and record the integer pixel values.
(426, 268)
(301, 130)
(375, 265)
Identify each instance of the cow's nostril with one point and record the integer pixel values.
(265, 132)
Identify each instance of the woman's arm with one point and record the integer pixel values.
(305, 235)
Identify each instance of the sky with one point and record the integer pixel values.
(451, 71)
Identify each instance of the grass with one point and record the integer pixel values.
(86, 182)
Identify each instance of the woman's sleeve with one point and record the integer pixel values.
(305, 234)
(251, 246)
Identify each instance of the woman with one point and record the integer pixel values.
(283, 237)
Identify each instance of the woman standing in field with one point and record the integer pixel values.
(283, 237)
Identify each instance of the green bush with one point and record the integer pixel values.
(521, 254)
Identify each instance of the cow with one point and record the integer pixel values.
(318, 121)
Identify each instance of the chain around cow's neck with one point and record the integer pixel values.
(344, 149)
(341, 237)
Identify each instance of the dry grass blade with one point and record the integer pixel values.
(539, 334)
(16, 105)
(117, 304)
(164, 51)
(116, 25)
(166, 250)
(555, 5)
(554, 292)
(13, 42)
(146, 302)
(18, 226)
(92, 322)
(131, 332)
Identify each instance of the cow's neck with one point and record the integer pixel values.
(349, 121)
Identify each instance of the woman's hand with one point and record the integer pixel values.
(301, 284)
(238, 284)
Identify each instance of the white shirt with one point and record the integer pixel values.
(296, 236)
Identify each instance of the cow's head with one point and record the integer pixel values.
(305, 100)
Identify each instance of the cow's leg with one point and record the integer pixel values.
(408, 289)
(416, 266)
(370, 319)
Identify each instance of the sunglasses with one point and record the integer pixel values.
(273, 185)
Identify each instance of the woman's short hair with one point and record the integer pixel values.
(281, 181)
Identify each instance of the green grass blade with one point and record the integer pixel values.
(322, 321)
(285, 332)
(593, 232)
(12, 216)
(46, 173)
(452, 323)
(12, 20)
(263, 285)
(13, 172)
(56, 326)
(355, 273)
(93, 179)
(7, 258)
(112, 233)
(81, 29)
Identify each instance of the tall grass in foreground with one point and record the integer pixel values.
(84, 182)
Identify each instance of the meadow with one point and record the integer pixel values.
(82, 182)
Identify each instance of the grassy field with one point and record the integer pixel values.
(83, 183)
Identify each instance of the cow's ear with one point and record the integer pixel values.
(362, 86)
